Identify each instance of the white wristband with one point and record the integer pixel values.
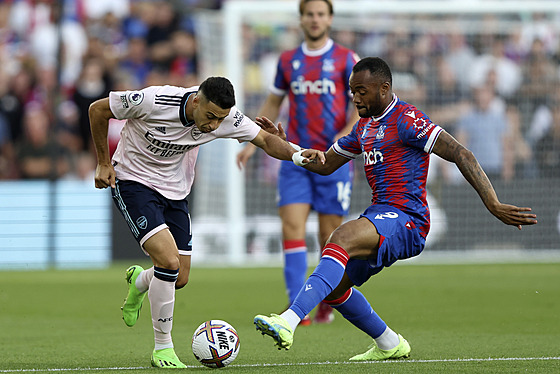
(295, 146)
(298, 159)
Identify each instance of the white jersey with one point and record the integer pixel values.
(158, 146)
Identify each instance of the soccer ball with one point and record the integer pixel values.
(215, 343)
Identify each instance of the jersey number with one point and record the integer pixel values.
(386, 215)
(344, 192)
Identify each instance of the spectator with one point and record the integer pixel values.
(508, 74)
(538, 71)
(485, 131)
(548, 147)
(163, 24)
(183, 67)
(67, 128)
(38, 154)
(459, 56)
(406, 81)
(7, 159)
(92, 85)
(136, 61)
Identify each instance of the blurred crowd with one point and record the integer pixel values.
(498, 91)
(492, 81)
(102, 45)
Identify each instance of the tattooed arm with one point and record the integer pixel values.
(451, 150)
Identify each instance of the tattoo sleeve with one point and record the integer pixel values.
(451, 150)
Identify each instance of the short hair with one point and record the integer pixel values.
(303, 2)
(218, 90)
(376, 67)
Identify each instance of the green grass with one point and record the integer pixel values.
(455, 318)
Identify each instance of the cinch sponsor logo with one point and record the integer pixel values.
(319, 87)
(373, 157)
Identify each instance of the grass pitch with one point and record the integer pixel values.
(458, 319)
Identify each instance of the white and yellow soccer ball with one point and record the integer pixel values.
(215, 343)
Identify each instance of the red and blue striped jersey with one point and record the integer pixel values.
(316, 82)
(396, 149)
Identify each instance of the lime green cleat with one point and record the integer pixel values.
(167, 359)
(276, 327)
(134, 299)
(376, 354)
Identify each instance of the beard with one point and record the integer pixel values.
(319, 36)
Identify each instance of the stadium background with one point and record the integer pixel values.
(59, 56)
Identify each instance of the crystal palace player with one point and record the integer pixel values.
(395, 140)
(151, 174)
(314, 76)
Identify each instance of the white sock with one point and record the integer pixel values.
(162, 299)
(143, 281)
(292, 318)
(387, 340)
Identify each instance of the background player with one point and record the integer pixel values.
(315, 78)
(395, 140)
(151, 174)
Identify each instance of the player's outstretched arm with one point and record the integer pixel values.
(247, 152)
(451, 150)
(278, 148)
(99, 115)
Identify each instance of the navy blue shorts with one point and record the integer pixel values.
(399, 240)
(327, 194)
(147, 212)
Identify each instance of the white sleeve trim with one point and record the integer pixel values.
(344, 153)
(278, 92)
(432, 139)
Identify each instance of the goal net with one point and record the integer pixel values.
(444, 56)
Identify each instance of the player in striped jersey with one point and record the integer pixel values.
(151, 174)
(314, 77)
(395, 140)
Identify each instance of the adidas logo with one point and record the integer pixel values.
(163, 363)
(161, 129)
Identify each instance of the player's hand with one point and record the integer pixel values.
(513, 215)
(244, 155)
(105, 176)
(313, 156)
(268, 126)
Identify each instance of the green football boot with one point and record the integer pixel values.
(134, 299)
(276, 327)
(167, 359)
(376, 354)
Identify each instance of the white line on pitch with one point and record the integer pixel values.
(408, 361)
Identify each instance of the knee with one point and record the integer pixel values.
(340, 237)
(170, 262)
(182, 280)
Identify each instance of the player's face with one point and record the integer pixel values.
(370, 95)
(316, 20)
(207, 115)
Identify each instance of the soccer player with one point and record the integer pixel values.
(151, 174)
(314, 76)
(395, 140)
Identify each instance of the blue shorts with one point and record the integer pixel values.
(327, 194)
(147, 212)
(399, 240)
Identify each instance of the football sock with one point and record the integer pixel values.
(162, 299)
(388, 340)
(322, 281)
(292, 318)
(355, 308)
(143, 281)
(295, 266)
